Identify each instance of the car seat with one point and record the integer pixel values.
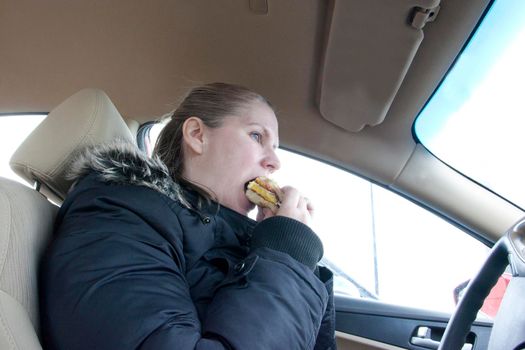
(26, 215)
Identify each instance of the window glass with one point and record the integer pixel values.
(474, 121)
(151, 134)
(378, 244)
(399, 252)
(13, 130)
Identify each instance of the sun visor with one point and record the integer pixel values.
(369, 46)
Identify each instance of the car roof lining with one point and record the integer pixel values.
(146, 55)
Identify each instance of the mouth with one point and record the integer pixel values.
(247, 183)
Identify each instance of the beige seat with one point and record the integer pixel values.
(26, 215)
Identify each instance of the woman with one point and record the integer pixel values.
(160, 254)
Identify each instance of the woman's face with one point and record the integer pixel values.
(241, 149)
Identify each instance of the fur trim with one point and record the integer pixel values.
(122, 162)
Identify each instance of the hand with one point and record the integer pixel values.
(294, 205)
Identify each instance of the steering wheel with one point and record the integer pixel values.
(508, 331)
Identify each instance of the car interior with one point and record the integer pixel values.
(348, 80)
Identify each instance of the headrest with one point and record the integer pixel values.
(133, 125)
(86, 118)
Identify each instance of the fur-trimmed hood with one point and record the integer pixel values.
(122, 162)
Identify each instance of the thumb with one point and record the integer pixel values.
(263, 213)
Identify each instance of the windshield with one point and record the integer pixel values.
(475, 120)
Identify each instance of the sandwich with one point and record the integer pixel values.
(265, 193)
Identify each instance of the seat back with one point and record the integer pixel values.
(27, 215)
(26, 221)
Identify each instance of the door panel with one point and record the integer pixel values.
(369, 324)
(352, 342)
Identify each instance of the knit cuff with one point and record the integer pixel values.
(288, 236)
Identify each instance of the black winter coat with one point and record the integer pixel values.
(132, 267)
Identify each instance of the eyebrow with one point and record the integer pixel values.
(266, 131)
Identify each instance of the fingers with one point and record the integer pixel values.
(303, 201)
(295, 206)
(310, 207)
(260, 215)
(263, 213)
(291, 198)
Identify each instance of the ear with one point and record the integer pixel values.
(193, 131)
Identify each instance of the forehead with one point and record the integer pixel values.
(256, 113)
(259, 113)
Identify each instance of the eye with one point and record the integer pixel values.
(256, 136)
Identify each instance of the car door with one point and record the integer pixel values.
(365, 324)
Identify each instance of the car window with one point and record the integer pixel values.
(13, 130)
(379, 244)
(400, 252)
(474, 121)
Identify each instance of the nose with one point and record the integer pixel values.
(271, 162)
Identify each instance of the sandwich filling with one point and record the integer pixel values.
(265, 193)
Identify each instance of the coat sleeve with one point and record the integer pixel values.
(278, 302)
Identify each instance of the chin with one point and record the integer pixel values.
(244, 211)
(239, 204)
(247, 208)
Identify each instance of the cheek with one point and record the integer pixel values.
(240, 160)
(248, 155)
(242, 151)
(235, 155)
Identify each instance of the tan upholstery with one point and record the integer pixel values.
(133, 126)
(26, 221)
(87, 117)
(27, 216)
(22, 336)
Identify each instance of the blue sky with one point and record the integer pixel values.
(476, 120)
(496, 33)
